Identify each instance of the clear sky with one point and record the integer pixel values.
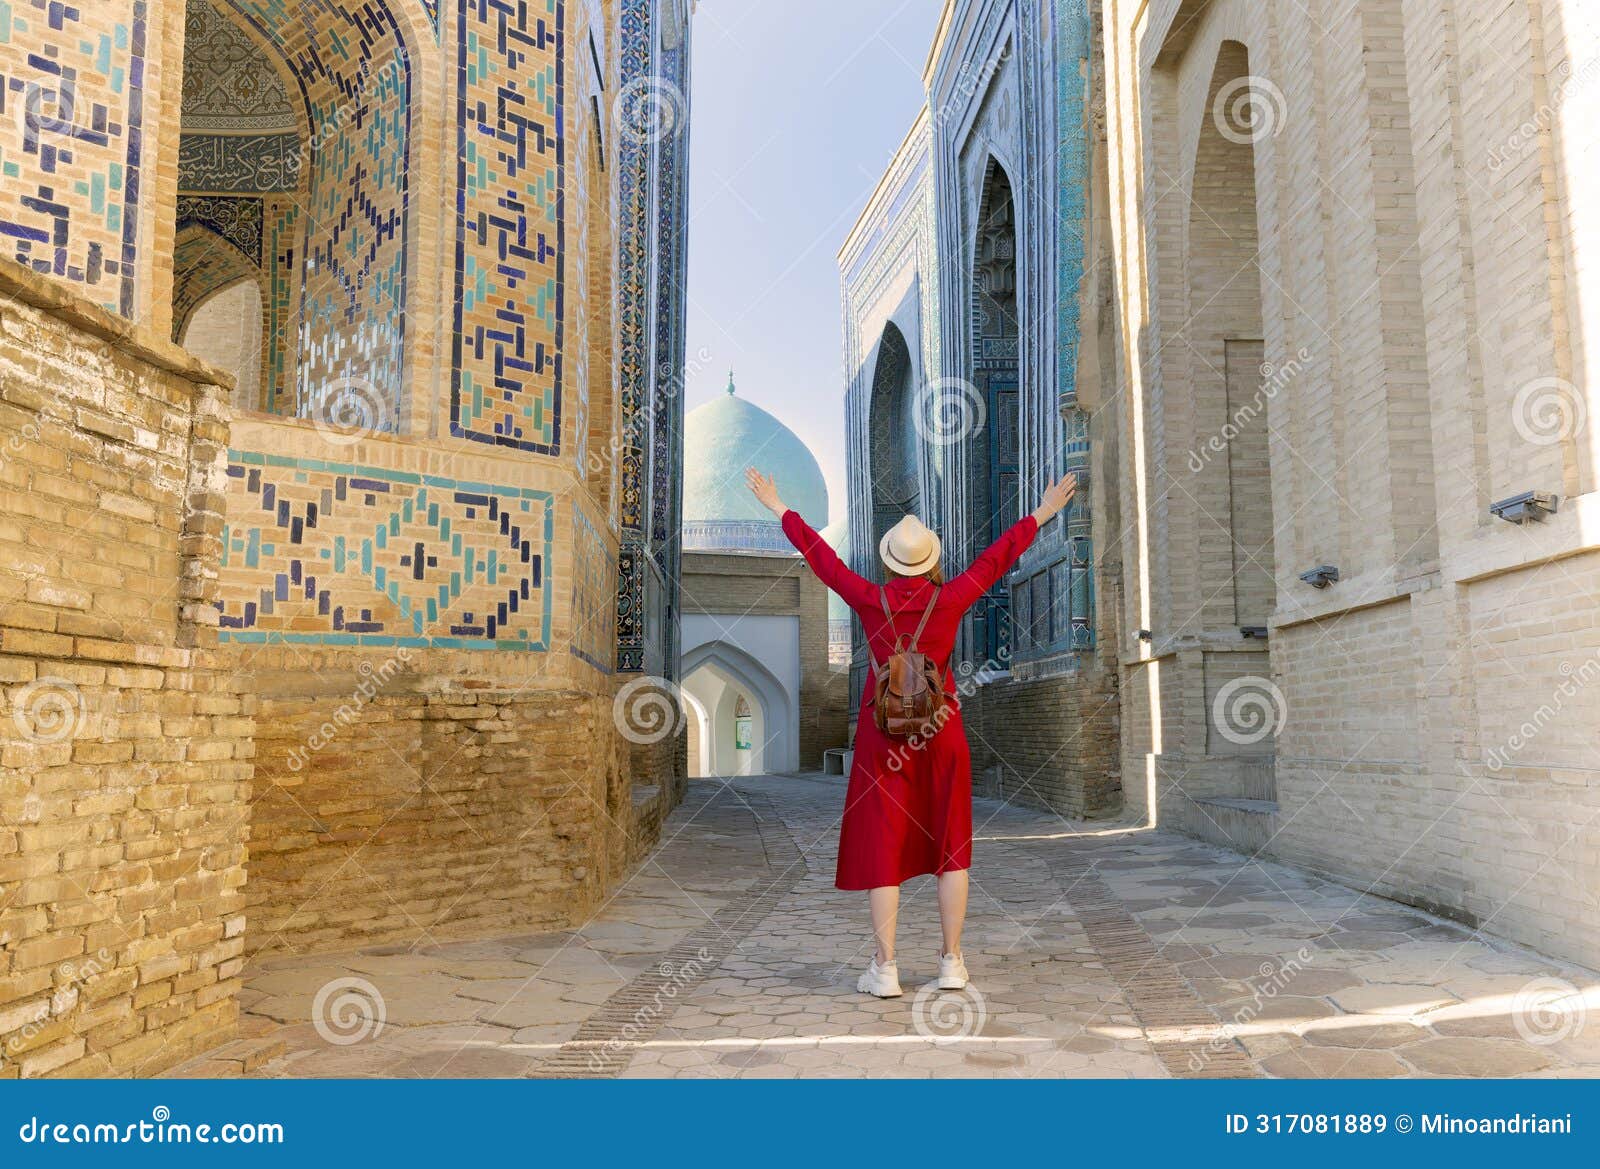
(798, 106)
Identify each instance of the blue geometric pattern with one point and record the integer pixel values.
(350, 60)
(511, 170)
(70, 145)
(335, 554)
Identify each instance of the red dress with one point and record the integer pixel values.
(907, 811)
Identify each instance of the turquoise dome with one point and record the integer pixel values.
(721, 439)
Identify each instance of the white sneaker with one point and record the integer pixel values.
(882, 981)
(952, 972)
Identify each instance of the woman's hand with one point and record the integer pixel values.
(1056, 497)
(765, 490)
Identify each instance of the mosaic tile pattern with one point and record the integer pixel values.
(354, 74)
(1070, 23)
(634, 228)
(335, 554)
(72, 96)
(507, 382)
(670, 255)
(229, 84)
(633, 563)
(1073, 623)
(237, 220)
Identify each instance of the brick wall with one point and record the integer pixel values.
(1049, 743)
(1420, 221)
(125, 752)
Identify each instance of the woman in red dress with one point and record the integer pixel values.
(908, 807)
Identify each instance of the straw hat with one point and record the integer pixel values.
(909, 548)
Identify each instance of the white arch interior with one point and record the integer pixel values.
(225, 330)
(715, 674)
(700, 761)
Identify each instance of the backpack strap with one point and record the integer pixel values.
(888, 618)
(926, 613)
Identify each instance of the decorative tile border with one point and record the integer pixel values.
(324, 553)
(509, 317)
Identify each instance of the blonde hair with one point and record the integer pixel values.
(935, 574)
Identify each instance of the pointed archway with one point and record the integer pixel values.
(716, 674)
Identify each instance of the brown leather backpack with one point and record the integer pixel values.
(909, 697)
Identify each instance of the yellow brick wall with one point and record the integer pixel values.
(125, 750)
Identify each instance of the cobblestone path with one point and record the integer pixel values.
(1095, 950)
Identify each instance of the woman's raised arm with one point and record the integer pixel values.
(996, 560)
(824, 561)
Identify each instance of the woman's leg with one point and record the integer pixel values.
(884, 902)
(952, 908)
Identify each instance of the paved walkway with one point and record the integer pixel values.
(1095, 951)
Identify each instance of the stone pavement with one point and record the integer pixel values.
(1096, 950)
